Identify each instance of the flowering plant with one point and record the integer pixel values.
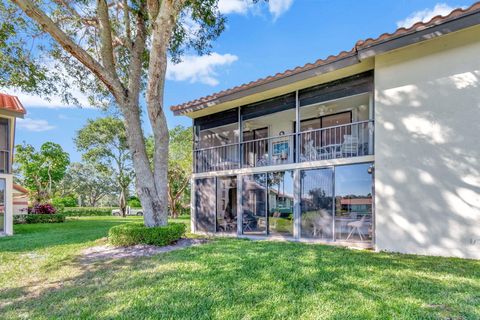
(43, 208)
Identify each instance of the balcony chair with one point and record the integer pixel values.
(356, 226)
(309, 152)
(349, 147)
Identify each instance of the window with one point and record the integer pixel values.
(353, 202)
(4, 146)
(2, 205)
(254, 204)
(226, 204)
(316, 203)
(280, 203)
(205, 204)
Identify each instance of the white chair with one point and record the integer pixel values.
(349, 146)
(309, 151)
(356, 226)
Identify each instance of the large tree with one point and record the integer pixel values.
(179, 168)
(103, 142)
(41, 171)
(85, 180)
(116, 49)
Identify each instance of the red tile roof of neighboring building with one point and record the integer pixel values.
(356, 201)
(361, 44)
(11, 103)
(19, 188)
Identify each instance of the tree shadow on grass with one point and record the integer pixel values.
(237, 279)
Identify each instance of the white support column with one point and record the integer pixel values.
(193, 215)
(371, 126)
(296, 204)
(239, 205)
(297, 128)
(240, 137)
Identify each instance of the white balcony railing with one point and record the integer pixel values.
(343, 141)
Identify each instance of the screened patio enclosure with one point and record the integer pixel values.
(333, 203)
(329, 121)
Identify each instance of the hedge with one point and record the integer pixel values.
(38, 218)
(129, 234)
(86, 211)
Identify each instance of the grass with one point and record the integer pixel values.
(42, 277)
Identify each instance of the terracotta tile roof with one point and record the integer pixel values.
(361, 44)
(11, 103)
(19, 188)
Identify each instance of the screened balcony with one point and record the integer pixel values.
(318, 123)
(4, 146)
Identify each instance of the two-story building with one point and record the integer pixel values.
(377, 147)
(10, 109)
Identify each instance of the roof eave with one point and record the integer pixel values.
(277, 83)
(455, 24)
(362, 51)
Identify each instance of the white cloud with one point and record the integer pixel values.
(35, 101)
(425, 15)
(233, 6)
(34, 125)
(275, 7)
(279, 7)
(199, 68)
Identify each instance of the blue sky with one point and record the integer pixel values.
(259, 40)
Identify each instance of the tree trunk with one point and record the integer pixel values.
(153, 196)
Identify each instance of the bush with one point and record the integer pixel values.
(86, 211)
(43, 208)
(38, 218)
(136, 233)
(67, 201)
(134, 202)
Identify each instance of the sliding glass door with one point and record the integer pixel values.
(2, 204)
(205, 204)
(227, 204)
(254, 204)
(316, 203)
(336, 203)
(353, 202)
(280, 203)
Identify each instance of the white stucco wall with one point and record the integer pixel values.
(427, 147)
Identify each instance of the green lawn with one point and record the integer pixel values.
(41, 277)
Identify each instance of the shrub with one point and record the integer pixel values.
(136, 233)
(43, 208)
(44, 218)
(134, 202)
(67, 201)
(19, 218)
(86, 211)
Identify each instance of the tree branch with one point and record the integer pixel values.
(106, 41)
(31, 10)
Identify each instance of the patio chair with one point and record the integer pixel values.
(356, 226)
(309, 151)
(349, 147)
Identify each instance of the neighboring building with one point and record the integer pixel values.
(10, 109)
(379, 146)
(20, 199)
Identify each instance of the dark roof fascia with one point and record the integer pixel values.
(456, 24)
